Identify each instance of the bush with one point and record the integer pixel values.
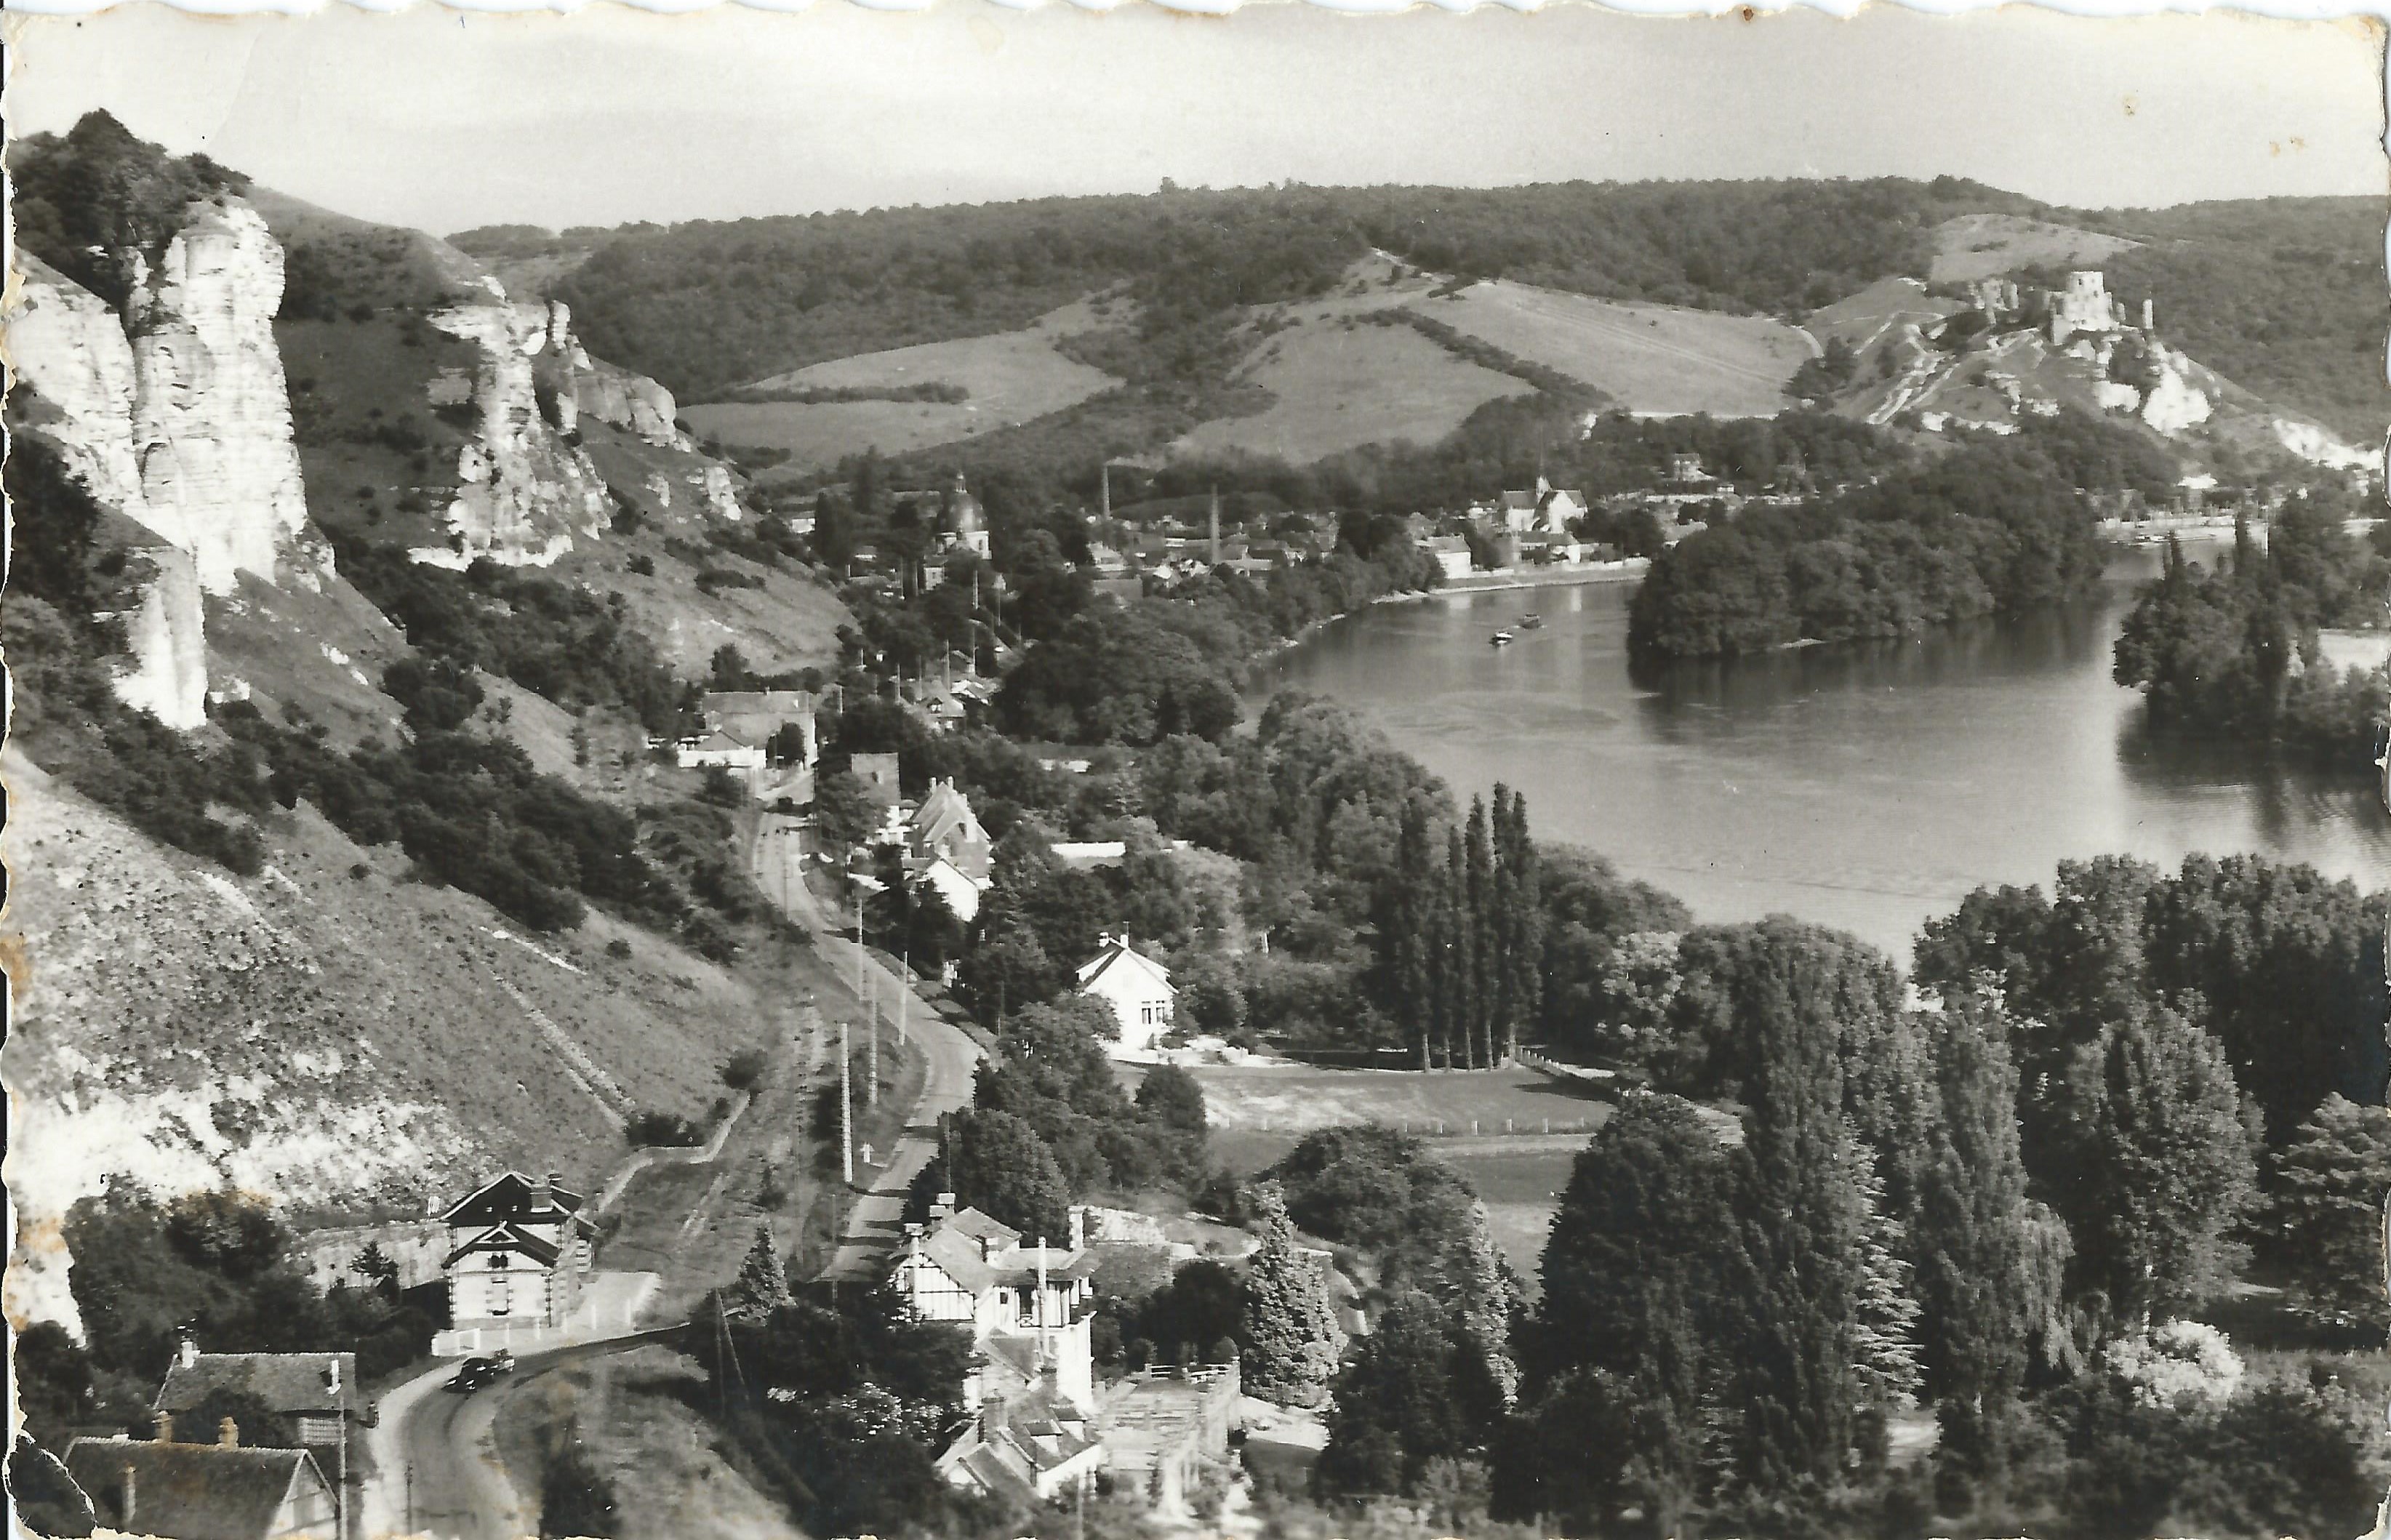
(663, 1129)
(744, 1070)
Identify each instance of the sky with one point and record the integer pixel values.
(443, 120)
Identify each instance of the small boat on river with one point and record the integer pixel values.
(1502, 639)
(1530, 621)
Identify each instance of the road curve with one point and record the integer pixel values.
(452, 1484)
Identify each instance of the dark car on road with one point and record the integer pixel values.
(478, 1372)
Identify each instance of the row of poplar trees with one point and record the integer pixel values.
(1461, 934)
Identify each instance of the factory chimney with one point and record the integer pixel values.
(1216, 527)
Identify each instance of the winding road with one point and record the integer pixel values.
(951, 1059)
(449, 1480)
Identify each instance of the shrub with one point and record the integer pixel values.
(662, 1130)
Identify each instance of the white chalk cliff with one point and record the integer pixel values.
(523, 491)
(211, 413)
(176, 415)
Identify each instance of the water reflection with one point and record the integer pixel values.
(1866, 786)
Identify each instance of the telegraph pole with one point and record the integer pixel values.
(845, 1111)
(872, 1057)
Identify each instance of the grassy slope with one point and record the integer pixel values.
(1012, 377)
(319, 1035)
(1654, 358)
(1337, 387)
(1980, 245)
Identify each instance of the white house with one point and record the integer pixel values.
(1136, 987)
(519, 1250)
(721, 748)
(960, 890)
(1025, 1304)
(759, 715)
(1452, 553)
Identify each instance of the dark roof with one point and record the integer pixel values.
(288, 1382)
(981, 1227)
(958, 1257)
(506, 1237)
(189, 1491)
(509, 1197)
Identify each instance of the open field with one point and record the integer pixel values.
(1980, 245)
(1341, 386)
(1259, 1113)
(1013, 376)
(1653, 359)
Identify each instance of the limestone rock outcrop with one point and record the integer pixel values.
(174, 414)
(211, 414)
(631, 402)
(167, 637)
(68, 344)
(523, 492)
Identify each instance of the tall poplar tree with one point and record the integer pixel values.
(2167, 1167)
(1459, 988)
(1975, 1272)
(1478, 896)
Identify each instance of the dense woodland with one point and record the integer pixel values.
(1995, 526)
(2280, 296)
(2234, 654)
(704, 306)
(2275, 295)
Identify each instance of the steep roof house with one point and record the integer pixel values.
(1137, 988)
(519, 1248)
(944, 827)
(204, 1491)
(1027, 1306)
(310, 1393)
(1545, 509)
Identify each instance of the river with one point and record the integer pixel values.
(1864, 786)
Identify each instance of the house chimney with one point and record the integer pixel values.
(186, 1351)
(944, 1208)
(539, 1193)
(128, 1497)
(164, 1430)
(228, 1433)
(1079, 1226)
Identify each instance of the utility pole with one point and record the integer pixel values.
(845, 1112)
(872, 1057)
(905, 997)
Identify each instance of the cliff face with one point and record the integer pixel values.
(69, 348)
(167, 635)
(210, 415)
(523, 491)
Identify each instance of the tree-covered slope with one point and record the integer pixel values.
(704, 306)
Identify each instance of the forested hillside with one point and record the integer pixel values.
(704, 306)
(2283, 296)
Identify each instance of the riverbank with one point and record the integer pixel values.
(1629, 571)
